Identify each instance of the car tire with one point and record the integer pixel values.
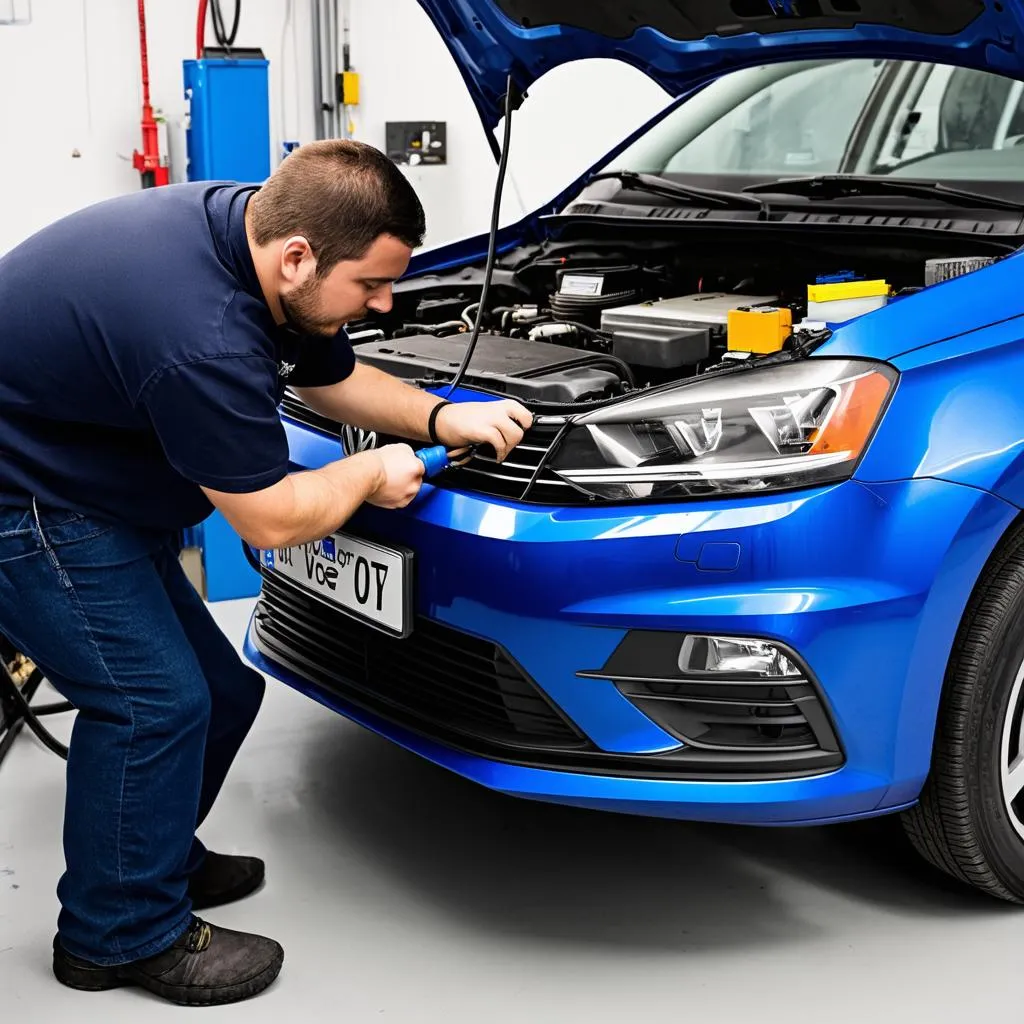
(968, 821)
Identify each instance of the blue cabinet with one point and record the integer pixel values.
(228, 139)
(228, 135)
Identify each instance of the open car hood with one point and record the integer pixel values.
(683, 43)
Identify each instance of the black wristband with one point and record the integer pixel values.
(432, 422)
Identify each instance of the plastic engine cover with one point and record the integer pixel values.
(528, 370)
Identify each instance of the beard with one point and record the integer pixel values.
(301, 310)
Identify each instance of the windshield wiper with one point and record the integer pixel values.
(668, 189)
(840, 186)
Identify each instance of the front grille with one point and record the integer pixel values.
(484, 474)
(440, 681)
(511, 478)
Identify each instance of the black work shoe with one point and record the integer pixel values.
(224, 879)
(207, 966)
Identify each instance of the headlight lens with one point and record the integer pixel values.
(790, 425)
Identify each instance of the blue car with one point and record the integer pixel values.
(761, 557)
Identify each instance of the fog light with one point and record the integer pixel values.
(726, 655)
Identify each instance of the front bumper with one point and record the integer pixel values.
(866, 584)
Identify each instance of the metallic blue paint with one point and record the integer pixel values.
(487, 47)
(955, 417)
(867, 582)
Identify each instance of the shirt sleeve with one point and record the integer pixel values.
(218, 423)
(323, 362)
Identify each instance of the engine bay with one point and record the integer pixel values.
(580, 324)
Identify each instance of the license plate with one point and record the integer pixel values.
(364, 579)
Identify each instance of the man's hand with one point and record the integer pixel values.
(313, 504)
(400, 479)
(499, 424)
(374, 400)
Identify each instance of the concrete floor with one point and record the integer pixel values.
(401, 892)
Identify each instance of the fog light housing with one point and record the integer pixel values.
(734, 656)
(740, 706)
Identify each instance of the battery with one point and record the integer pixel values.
(761, 329)
(670, 333)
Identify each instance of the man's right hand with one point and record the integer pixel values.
(401, 476)
(313, 504)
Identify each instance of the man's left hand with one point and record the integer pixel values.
(499, 424)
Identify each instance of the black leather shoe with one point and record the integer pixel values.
(207, 966)
(224, 879)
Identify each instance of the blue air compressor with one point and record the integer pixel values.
(228, 127)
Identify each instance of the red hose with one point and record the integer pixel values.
(147, 163)
(201, 30)
(144, 53)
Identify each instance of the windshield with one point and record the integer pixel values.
(864, 117)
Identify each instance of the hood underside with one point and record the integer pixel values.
(682, 43)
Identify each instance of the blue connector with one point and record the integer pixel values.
(435, 460)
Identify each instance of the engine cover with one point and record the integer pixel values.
(528, 370)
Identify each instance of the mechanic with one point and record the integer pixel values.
(146, 342)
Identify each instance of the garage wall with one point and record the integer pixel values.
(572, 116)
(70, 83)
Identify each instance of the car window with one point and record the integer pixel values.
(876, 117)
(800, 124)
(793, 118)
(953, 120)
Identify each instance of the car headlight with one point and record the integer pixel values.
(790, 425)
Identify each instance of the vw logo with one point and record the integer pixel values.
(355, 439)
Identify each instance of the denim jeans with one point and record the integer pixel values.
(163, 703)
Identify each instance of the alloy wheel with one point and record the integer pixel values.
(1011, 759)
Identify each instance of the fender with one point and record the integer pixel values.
(955, 415)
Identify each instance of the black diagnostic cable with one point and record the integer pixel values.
(226, 39)
(513, 99)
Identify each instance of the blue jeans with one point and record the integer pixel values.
(163, 700)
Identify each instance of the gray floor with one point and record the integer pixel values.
(401, 892)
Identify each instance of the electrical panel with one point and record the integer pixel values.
(417, 143)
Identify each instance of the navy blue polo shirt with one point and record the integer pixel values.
(139, 360)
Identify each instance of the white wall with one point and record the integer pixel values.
(71, 83)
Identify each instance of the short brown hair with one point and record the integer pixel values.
(341, 195)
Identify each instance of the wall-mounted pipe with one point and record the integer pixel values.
(316, 12)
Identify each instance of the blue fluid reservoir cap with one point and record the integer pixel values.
(435, 460)
(839, 277)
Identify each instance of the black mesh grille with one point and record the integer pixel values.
(509, 479)
(438, 680)
(484, 474)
